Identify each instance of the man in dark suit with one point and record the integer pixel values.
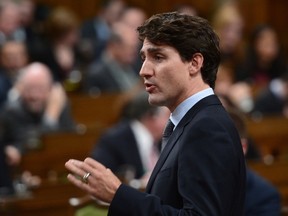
(138, 135)
(201, 169)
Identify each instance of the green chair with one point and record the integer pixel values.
(87, 206)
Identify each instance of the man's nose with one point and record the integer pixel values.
(145, 70)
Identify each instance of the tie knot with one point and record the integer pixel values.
(168, 129)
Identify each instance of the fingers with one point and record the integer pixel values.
(78, 182)
(94, 164)
(13, 155)
(76, 167)
(102, 183)
(80, 168)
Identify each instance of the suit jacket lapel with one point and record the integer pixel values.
(163, 156)
(210, 100)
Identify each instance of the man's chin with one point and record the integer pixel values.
(36, 109)
(155, 101)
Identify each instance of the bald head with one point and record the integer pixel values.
(35, 83)
(36, 72)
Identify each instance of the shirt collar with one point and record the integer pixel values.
(187, 104)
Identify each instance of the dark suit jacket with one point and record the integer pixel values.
(117, 149)
(262, 198)
(201, 171)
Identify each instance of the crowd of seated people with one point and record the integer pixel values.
(38, 106)
(96, 31)
(250, 67)
(77, 51)
(42, 59)
(57, 53)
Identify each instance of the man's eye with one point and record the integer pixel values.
(158, 57)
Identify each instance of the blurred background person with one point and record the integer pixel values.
(59, 51)
(186, 9)
(131, 147)
(96, 32)
(264, 59)
(259, 74)
(13, 57)
(114, 72)
(40, 107)
(10, 22)
(228, 24)
(30, 24)
(262, 198)
(134, 17)
(273, 99)
(27, 12)
(224, 79)
(239, 93)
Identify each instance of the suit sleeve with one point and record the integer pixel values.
(129, 202)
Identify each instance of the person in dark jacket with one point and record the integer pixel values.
(201, 169)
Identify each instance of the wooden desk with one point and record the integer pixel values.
(276, 173)
(50, 199)
(55, 149)
(98, 111)
(270, 135)
(47, 162)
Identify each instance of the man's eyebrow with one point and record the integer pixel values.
(151, 50)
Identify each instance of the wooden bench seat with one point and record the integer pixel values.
(98, 111)
(276, 173)
(51, 198)
(270, 134)
(55, 149)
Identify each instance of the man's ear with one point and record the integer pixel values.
(196, 63)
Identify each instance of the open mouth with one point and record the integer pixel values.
(149, 87)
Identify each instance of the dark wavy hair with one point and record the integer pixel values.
(188, 35)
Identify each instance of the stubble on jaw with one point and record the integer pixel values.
(157, 101)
